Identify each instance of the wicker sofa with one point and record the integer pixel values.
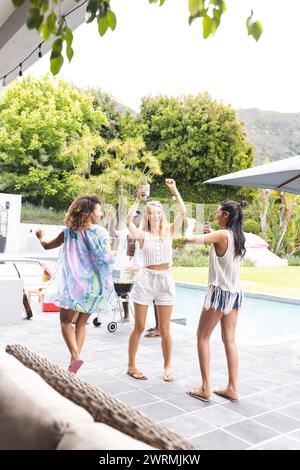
(43, 406)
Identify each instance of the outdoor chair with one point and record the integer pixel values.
(103, 407)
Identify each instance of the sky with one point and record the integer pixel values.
(154, 51)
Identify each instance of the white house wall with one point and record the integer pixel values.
(14, 214)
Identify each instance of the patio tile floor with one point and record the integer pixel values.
(266, 417)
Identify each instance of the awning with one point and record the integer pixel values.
(17, 41)
(283, 175)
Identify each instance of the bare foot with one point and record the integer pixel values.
(168, 376)
(227, 393)
(199, 393)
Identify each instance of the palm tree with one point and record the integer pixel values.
(125, 166)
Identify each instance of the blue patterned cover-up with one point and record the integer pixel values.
(82, 280)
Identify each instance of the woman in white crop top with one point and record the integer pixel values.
(154, 282)
(224, 296)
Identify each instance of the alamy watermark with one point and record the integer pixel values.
(130, 461)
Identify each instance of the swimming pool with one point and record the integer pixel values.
(261, 320)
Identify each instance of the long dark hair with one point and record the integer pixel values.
(234, 223)
(78, 215)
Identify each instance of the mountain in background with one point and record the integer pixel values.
(122, 109)
(274, 135)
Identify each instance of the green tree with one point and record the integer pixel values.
(43, 17)
(130, 125)
(48, 138)
(283, 218)
(279, 214)
(195, 138)
(108, 105)
(292, 236)
(122, 120)
(122, 169)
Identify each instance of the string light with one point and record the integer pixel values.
(38, 48)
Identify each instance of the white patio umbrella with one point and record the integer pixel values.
(283, 175)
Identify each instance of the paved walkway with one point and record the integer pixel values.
(266, 417)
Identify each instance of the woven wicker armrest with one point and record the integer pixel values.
(104, 407)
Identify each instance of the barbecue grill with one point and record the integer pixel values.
(122, 289)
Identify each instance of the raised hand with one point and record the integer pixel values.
(110, 216)
(207, 228)
(170, 184)
(39, 234)
(141, 191)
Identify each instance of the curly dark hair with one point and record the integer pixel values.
(78, 215)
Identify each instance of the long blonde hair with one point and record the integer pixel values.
(164, 228)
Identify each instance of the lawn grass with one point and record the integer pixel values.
(281, 281)
(38, 215)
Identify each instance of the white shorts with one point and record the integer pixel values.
(153, 286)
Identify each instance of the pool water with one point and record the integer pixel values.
(260, 320)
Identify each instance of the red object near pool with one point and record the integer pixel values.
(48, 307)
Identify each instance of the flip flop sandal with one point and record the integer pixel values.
(151, 334)
(234, 400)
(75, 366)
(171, 379)
(195, 395)
(136, 375)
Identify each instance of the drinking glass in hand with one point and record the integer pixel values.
(146, 193)
(207, 227)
